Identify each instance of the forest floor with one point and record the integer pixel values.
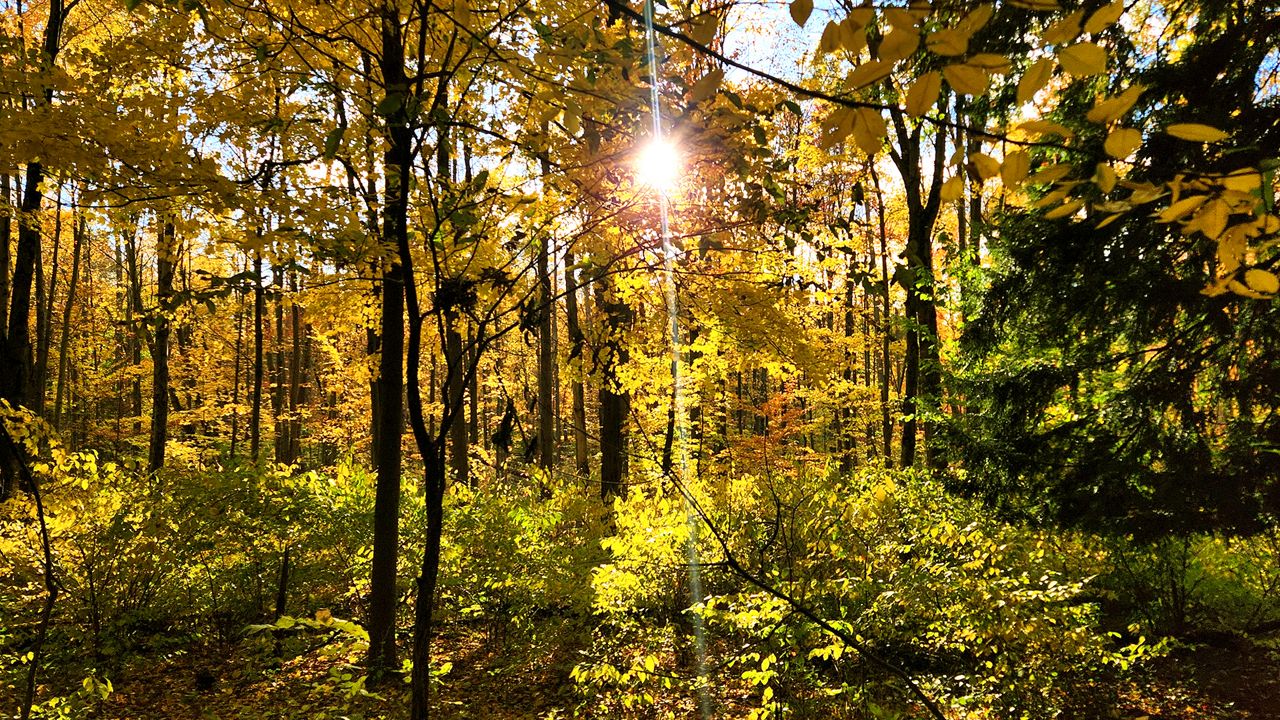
(245, 681)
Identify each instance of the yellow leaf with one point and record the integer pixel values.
(1065, 30)
(1104, 177)
(703, 29)
(868, 73)
(1144, 193)
(830, 39)
(1211, 219)
(1121, 143)
(1066, 209)
(1182, 207)
(1034, 78)
(869, 130)
(1240, 288)
(1104, 17)
(801, 10)
(462, 13)
(923, 93)
(976, 19)
(952, 189)
(851, 36)
(572, 119)
(1050, 173)
(991, 62)
(1041, 5)
(707, 86)
(1246, 180)
(1015, 167)
(1231, 249)
(899, 18)
(948, 43)
(1083, 59)
(1195, 132)
(1112, 108)
(1053, 198)
(985, 165)
(1262, 281)
(1109, 219)
(861, 16)
(899, 44)
(967, 79)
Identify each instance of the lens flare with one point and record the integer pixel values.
(658, 166)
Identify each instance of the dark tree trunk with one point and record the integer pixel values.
(575, 361)
(397, 162)
(615, 403)
(923, 367)
(64, 345)
(166, 251)
(259, 317)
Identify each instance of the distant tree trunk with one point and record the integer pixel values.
(546, 346)
(615, 402)
(259, 317)
(576, 341)
(279, 378)
(137, 327)
(235, 381)
(166, 251)
(546, 360)
(886, 326)
(64, 344)
(299, 366)
(46, 298)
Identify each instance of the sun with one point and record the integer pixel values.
(658, 166)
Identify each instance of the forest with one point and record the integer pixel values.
(863, 359)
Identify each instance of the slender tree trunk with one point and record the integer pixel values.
(64, 344)
(279, 378)
(166, 251)
(397, 163)
(546, 347)
(259, 317)
(235, 381)
(6, 231)
(575, 361)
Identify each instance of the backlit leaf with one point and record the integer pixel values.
(1112, 108)
(1121, 143)
(801, 10)
(1262, 281)
(1195, 132)
(923, 93)
(1083, 59)
(1104, 17)
(1035, 78)
(967, 79)
(948, 43)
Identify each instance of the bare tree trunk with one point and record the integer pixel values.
(576, 361)
(64, 344)
(259, 313)
(398, 166)
(166, 251)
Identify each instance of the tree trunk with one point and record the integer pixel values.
(259, 317)
(397, 162)
(166, 251)
(615, 403)
(64, 344)
(575, 361)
